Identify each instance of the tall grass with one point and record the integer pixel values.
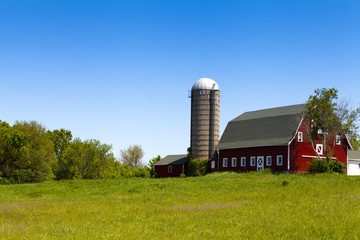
(216, 206)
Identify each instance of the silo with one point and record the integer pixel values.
(205, 118)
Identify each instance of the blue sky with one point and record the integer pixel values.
(120, 71)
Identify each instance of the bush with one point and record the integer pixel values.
(142, 172)
(318, 166)
(336, 166)
(197, 167)
(321, 166)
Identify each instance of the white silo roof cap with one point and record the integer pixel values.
(205, 83)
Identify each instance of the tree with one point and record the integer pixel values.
(86, 160)
(32, 155)
(151, 165)
(61, 140)
(132, 156)
(326, 119)
(13, 148)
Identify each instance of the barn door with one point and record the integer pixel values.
(260, 163)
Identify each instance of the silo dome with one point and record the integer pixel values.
(205, 83)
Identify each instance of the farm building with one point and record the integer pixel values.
(171, 166)
(353, 166)
(271, 138)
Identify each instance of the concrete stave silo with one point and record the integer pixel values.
(205, 118)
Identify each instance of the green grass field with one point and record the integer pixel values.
(217, 206)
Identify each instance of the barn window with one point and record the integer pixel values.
(169, 169)
(268, 160)
(233, 162)
(300, 137)
(279, 160)
(319, 149)
(212, 164)
(243, 161)
(225, 162)
(338, 140)
(252, 161)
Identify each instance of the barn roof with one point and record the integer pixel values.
(354, 155)
(172, 160)
(268, 127)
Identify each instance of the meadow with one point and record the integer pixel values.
(217, 206)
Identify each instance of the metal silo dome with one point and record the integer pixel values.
(205, 84)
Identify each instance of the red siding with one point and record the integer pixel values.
(300, 152)
(162, 171)
(249, 152)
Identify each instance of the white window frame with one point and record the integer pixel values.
(212, 164)
(300, 137)
(243, 161)
(169, 169)
(225, 162)
(268, 160)
(338, 140)
(319, 149)
(279, 160)
(252, 161)
(233, 162)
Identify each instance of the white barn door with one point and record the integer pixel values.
(260, 163)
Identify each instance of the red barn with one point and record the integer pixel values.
(171, 166)
(272, 138)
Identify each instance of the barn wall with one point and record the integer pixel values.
(162, 171)
(299, 152)
(249, 152)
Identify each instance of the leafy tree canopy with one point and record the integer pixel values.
(328, 118)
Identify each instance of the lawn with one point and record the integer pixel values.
(216, 206)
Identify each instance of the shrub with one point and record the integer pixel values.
(142, 172)
(336, 166)
(285, 183)
(197, 167)
(318, 166)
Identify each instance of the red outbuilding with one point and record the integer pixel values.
(171, 166)
(272, 138)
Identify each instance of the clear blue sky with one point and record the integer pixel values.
(120, 71)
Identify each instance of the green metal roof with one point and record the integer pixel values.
(268, 127)
(172, 160)
(353, 155)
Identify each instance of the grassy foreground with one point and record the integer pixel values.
(217, 206)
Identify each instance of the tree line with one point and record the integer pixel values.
(29, 153)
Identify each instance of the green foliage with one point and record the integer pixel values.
(354, 141)
(330, 118)
(322, 166)
(26, 152)
(85, 160)
(197, 167)
(61, 140)
(337, 166)
(151, 165)
(29, 153)
(318, 166)
(142, 172)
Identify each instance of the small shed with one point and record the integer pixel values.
(171, 166)
(353, 166)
